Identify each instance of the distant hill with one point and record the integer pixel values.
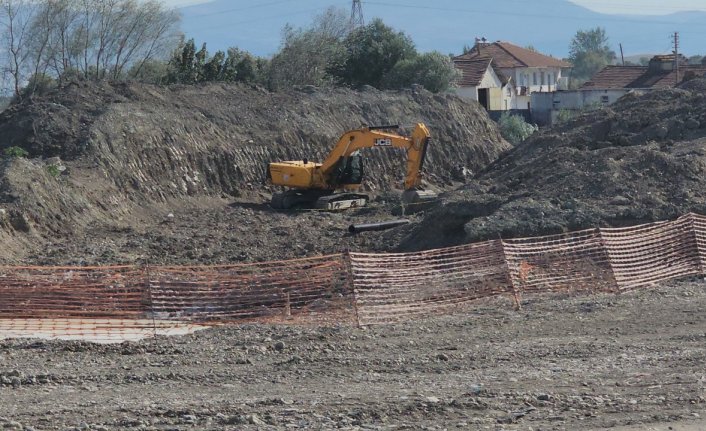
(446, 25)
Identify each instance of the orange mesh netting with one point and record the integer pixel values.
(129, 302)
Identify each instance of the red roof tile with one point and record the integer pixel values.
(506, 55)
(472, 71)
(615, 77)
(640, 77)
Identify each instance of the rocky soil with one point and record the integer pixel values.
(110, 159)
(123, 173)
(642, 159)
(634, 360)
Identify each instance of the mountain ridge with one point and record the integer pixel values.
(445, 26)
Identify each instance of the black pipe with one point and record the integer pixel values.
(357, 228)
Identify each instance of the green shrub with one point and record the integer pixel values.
(515, 129)
(15, 151)
(53, 170)
(564, 115)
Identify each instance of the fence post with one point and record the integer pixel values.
(695, 238)
(609, 261)
(287, 305)
(351, 284)
(150, 300)
(516, 293)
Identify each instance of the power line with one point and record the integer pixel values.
(225, 11)
(266, 18)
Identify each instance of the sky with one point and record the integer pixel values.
(637, 7)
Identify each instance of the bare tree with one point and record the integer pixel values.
(93, 39)
(16, 17)
(148, 30)
(62, 55)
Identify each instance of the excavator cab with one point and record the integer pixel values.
(349, 170)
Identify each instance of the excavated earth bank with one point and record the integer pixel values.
(642, 159)
(126, 172)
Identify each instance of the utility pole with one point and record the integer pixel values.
(357, 15)
(622, 56)
(676, 57)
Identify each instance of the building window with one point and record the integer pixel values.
(550, 78)
(534, 78)
(605, 100)
(542, 77)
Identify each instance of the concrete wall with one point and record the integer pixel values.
(546, 106)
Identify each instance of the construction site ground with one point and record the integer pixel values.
(632, 361)
(128, 173)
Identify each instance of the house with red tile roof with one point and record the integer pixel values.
(659, 73)
(612, 83)
(519, 72)
(481, 81)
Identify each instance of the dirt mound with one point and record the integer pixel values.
(106, 158)
(639, 160)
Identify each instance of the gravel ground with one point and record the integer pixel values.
(590, 362)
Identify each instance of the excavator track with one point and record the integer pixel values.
(319, 199)
(341, 201)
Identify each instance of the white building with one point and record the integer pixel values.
(481, 82)
(612, 83)
(521, 71)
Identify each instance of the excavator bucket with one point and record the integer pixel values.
(418, 196)
(418, 200)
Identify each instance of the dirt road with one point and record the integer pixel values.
(634, 362)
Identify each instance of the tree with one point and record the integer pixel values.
(182, 66)
(188, 66)
(370, 53)
(434, 71)
(589, 52)
(241, 66)
(213, 68)
(88, 39)
(16, 17)
(306, 53)
(36, 84)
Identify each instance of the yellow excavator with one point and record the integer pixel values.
(333, 184)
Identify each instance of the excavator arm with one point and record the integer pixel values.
(373, 137)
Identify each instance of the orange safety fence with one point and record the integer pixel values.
(303, 290)
(644, 255)
(575, 261)
(390, 287)
(394, 287)
(128, 302)
(69, 292)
